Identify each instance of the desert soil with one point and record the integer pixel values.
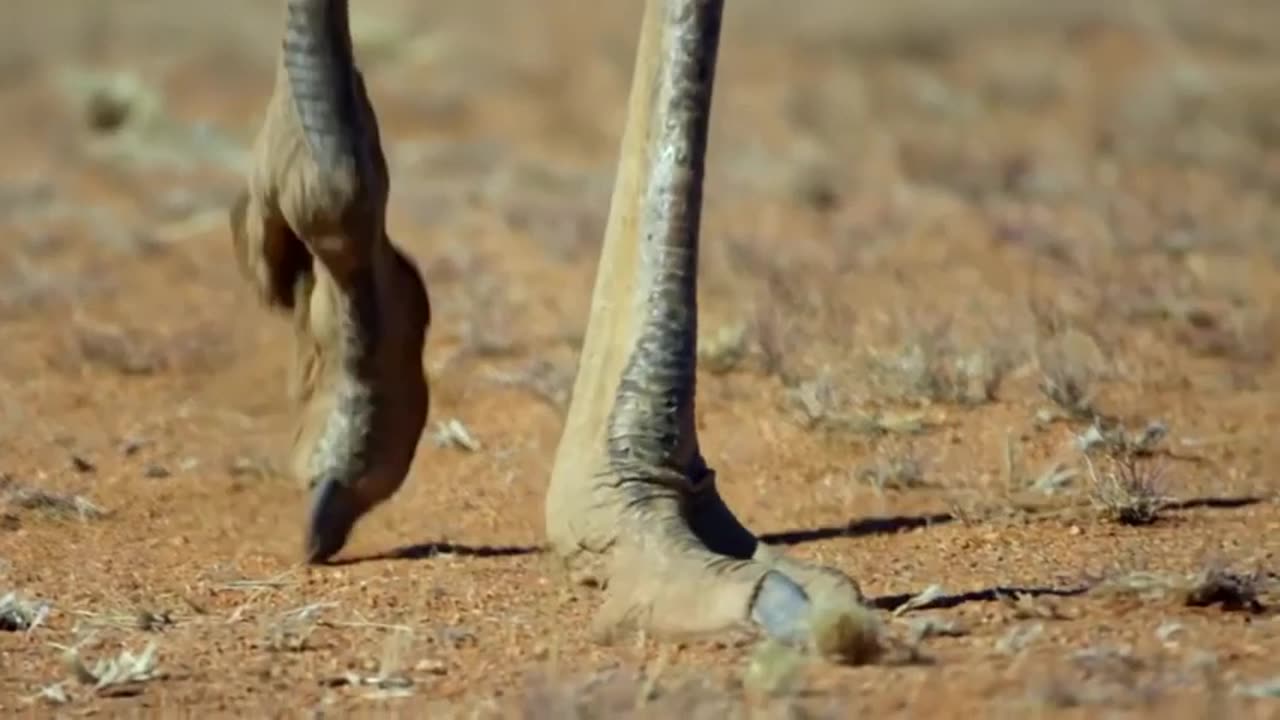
(942, 241)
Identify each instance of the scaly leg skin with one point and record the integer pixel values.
(632, 504)
(309, 235)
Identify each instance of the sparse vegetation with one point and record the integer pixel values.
(23, 497)
(121, 675)
(1213, 585)
(927, 627)
(897, 472)
(725, 350)
(1128, 489)
(848, 635)
(291, 631)
(18, 614)
(1070, 365)
(130, 125)
(546, 380)
(933, 369)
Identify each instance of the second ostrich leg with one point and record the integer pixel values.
(309, 234)
(632, 504)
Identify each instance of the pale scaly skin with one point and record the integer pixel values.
(632, 505)
(309, 234)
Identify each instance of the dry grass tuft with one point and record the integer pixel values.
(816, 402)
(724, 351)
(291, 631)
(42, 501)
(1019, 638)
(840, 633)
(137, 352)
(121, 676)
(1115, 440)
(923, 628)
(898, 472)
(817, 405)
(773, 336)
(130, 125)
(1070, 362)
(254, 466)
(1233, 592)
(1025, 606)
(550, 382)
(774, 669)
(934, 368)
(117, 350)
(846, 634)
(141, 618)
(391, 679)
(1129, 489)
(18, 614)
(115, 101)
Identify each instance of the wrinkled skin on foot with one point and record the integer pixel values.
(632, 505)
(309, 235)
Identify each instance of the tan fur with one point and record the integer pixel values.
(313, 244)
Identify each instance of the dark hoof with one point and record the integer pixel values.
(781, 608)
(334, 511)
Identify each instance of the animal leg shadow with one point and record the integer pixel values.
(889, 525)
(428, 550)
(991, 594)
(856, 528)
(886, 525)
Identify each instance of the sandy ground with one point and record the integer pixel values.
(940, 238)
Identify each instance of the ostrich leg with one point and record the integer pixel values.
(632, 504)
(309, 235)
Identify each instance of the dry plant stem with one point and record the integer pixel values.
(309, 234)
(632, 504)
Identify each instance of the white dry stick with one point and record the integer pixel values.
(453, 433)
(928, 595)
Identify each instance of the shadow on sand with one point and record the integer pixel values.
(900, 523)
(854, 529)
(426, 551)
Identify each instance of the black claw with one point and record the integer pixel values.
(334, 511)
(781, 608)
